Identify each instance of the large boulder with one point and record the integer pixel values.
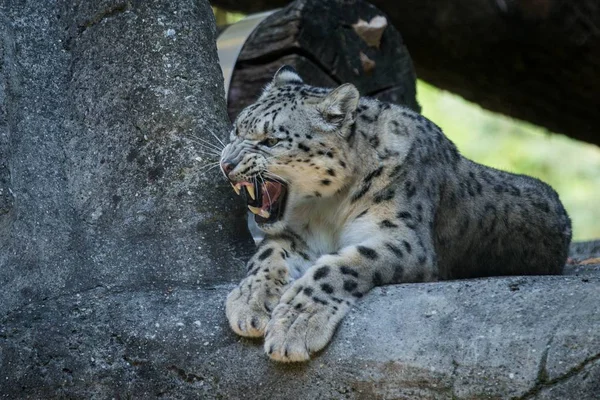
(104, 177)
(514, 337)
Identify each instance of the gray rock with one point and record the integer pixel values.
(581, 250)
(517, 337)
(101, 104)
(584, 259)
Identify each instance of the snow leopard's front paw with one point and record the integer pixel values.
(248, 306)
(301, 326)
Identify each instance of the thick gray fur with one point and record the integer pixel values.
(377, 195)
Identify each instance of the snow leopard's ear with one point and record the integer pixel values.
(339, 104)
(285, 75)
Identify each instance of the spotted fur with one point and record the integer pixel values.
(377, 195)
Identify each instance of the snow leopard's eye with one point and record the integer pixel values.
(270, 142)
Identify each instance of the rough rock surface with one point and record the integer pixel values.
(515, 337)
(116, 257)
(99, 182)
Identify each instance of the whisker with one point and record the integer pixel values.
(216, 137)
(203, 150)
(201, 154)
(204, 145)
(208, 145)
(207, 170)
(214, 162)
(207, 153)
(210, 165)
(214, 144)
(205, 142)
(268, 195)
(207, 157)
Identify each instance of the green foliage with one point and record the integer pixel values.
(223, 17)
(571, 167)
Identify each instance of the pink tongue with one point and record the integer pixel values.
(271, 192)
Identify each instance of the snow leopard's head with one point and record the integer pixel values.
(291, 145)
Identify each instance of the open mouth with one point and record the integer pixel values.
(266, 200)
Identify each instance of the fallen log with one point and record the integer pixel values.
(328, 43)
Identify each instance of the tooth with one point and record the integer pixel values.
(264, 213)
(235, 187)
(250, 189)
(254, 210)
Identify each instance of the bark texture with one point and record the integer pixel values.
(320, 40)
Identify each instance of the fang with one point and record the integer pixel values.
(264, 213)
(255, 210)
(250, 190)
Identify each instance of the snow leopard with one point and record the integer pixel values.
(353, 193)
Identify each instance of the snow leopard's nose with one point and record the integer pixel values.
(227, 166)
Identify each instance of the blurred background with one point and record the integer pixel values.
(570, 166)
